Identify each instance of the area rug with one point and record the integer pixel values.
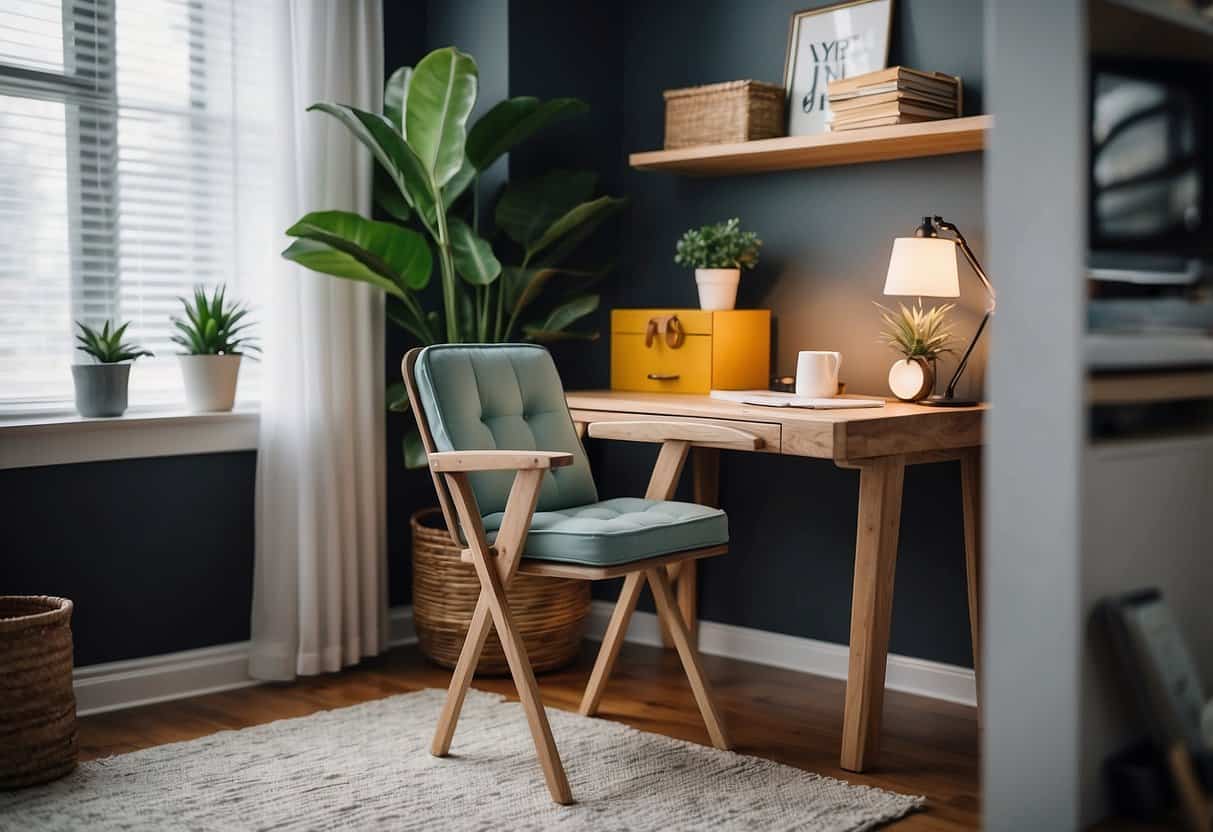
(368, 767)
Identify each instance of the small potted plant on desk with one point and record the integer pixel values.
(214, 340)
(101, 387)
(921, 336)
(718, 253)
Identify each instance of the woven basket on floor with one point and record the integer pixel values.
(735, 111)
(551, 613)
(37, 706)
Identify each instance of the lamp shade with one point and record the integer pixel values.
(923, 266)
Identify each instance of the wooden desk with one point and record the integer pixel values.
(879, 442)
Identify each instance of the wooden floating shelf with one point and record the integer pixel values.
(1148, 388)
(849, 147)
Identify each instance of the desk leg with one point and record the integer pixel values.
(880, 484)
(706, 473)
(684, 576)
(970, 484)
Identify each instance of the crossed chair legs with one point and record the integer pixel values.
(496, 567)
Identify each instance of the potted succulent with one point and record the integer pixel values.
(214, 340)
(101, 386)
(718, 253)
(921, 336)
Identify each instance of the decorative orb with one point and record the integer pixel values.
(911, 379)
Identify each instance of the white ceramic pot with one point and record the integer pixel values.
(717, 287)
(210, 381)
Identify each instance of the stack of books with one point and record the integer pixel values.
(897, 95)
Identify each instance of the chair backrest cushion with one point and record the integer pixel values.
(503, 397)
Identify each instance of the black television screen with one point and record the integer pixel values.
(1150, 158)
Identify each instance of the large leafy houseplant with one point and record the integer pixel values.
(428, 163)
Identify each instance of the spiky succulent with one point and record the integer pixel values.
(914, 331)
(105, 346)
(720, 246)
(213, 326)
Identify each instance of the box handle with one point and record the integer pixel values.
(664, 376)
(669, 327)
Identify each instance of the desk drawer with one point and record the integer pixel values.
(658, 368)
(769, 432)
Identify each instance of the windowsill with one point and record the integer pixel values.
(28, 441)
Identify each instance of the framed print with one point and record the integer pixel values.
(831, 43)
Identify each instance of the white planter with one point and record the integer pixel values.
(717, 287)
(210, 381)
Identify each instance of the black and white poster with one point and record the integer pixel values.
(831, 43)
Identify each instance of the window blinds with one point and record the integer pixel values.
(128, 174)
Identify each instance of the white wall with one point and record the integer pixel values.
(1036, 77)
(1148, 521)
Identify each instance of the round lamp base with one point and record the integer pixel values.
(944, 401)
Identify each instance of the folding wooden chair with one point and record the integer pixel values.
(515, 487)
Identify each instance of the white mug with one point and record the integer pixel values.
(817, 373)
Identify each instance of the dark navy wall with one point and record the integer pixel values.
(827, 233)
(156, 554)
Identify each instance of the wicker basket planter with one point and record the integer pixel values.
(37, 706)
(735, 111)
(550, 612)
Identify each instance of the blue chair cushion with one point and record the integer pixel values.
(508, 397)
(617, 531)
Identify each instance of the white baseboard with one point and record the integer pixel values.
(821, 658)
(126, 684)
(400, 630)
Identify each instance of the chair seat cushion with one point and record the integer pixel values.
(621, 530)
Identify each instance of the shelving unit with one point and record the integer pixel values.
(1149, 388)
(875, 144)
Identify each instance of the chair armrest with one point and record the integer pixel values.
(448, 461)
(697, 433)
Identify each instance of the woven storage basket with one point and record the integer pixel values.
(37, 706)
(735, 111)
(551, 613)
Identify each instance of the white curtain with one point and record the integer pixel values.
(320, 584)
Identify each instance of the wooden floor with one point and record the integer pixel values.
(929, 747)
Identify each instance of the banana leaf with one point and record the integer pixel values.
(566, 233)
(441, 94)
(511, 122)
(528, 208)
(414, 451)
(395, 91)
(553, 327)
(398, 159)
(388, 197)
(344, 244)
(474, 258)
(398, 398)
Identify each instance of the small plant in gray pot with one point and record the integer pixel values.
(101, 386)
(213, 334)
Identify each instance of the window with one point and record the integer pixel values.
(127, 175)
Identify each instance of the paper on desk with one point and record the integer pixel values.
(771, 398)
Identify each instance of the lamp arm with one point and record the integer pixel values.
(969, 256)
(964, 359)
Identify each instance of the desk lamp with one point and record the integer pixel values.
(925, 265)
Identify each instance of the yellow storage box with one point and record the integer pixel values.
(690, 350)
